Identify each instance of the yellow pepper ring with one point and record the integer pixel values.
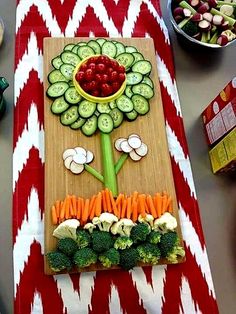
(93, 98)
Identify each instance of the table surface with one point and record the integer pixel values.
(200, 76)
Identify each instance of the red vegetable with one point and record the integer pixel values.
(203, 8)
(222, 40)
(197, 17)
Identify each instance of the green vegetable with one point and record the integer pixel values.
(149, 253)
(226, 17)
(109, 258)
(85, 257)
(83, 238)
(154, 237)
(129, 258)
(101, 241)
(67, 246)
(58, 261)
(169, 246)
(190, 28)
(185, 5)
(139, 232)
(122, 243)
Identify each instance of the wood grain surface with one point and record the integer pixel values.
(150, 175)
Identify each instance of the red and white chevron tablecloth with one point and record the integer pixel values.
(185, 288)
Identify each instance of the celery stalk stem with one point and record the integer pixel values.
(220, 3)
(120, 162)
(186, 5)
(226, 17)
(94, 172)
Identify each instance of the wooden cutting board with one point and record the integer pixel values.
(150, 175)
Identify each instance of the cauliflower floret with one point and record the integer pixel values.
(89, 226)
(165, 223)
(148, 219)
(104, 221)
(122, 227)
(67, 229)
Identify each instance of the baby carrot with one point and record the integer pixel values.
(135, 211)
(92, 207)
(113, 204)
(164, 203)
(158, 204)
(141, 207)
(123, 209)
(129, 208)
(98, 208)
(78, 215)
(108, 200)
(151, 206)
(85, 212)
(104, 203)
(54, 215)
(63, 211)
(119, 199)
(134, 196)
(74, 205)
(170, 205)
(57, 205)
(67, 207)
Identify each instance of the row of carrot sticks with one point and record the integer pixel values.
(123, 206)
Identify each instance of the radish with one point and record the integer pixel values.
(133, 134)
(178, 19)
(203, 8)
(222, 40)
(208, 16)
(76, 168)
(79, 159)
(126, 148)
(187, 12)
(80, 150)
(142, 150)
(68, 152)
(197, 17)
(212, 3)
(178, 11)
(194, 3)
(134, 142)
(204, 25)
(197, 36)
(68, 161)
(224, 26)
(134, 156)
(218, 20)
(227, 9)
(118, 142)
(89, 157)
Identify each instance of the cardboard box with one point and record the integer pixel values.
(220, 116)
(223, 155)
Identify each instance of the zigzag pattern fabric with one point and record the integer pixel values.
(185, 288)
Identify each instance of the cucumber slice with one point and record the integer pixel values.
(100, 41)
(117, 117)
(57, 89)
(132, 115)
(67, 70)
(125, 59)
(90, 126)
(78, 123)
(137, 56)
(130, 49)
(72, 96)
(105, 123)
(59, 105)
(144, 90)
(112, 104)
(103, 108)
(128, 91)
(148, 81)
(75, 49)
(133, 78)
(124, 104)
(86, 108)
(82, 43)
(85, 51)
(70, 58)
(69, 116)
(143, 66)
(56, 62)
(109, 49)
(95, 46)
(141, 105)
(69, 47)
(120, 48)
(56, 76)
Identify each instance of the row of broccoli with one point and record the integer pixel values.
(142, 245)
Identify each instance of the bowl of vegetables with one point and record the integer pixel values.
(99, 79)
(208, 23)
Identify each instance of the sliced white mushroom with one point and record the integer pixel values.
(118, 143)
(134, 156)
(79, 158)
(89, 157)
(134, 142)
(125, 147)
(68, 152)
(80, 150)
(76, 168)
(142, 150)
(68, 161)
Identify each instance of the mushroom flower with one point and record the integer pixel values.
(76, 158)
(133, 146)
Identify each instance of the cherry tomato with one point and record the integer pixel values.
(93, 85)
(114, 76)
(100, 67)
(89, 75)
(106, 89)
(85, 87)
(83, 67)
(92, 66)
(104, 78)
(79, 76)
(95, 93)
(115, 86)
(121, 69)
(121, 77)
(92, 60)
(114, 64)
(109, 70)
(98, 77)
(101, 59)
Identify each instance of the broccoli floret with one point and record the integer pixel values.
(109, 258)
(85, 257)
(128, 258)
(169, 246)
(139, 232)
(149, 253)
(83, 238)
(154, 237)
(58, 261)
(122, 243)
(101, 241)
(67, 245)
(190, 28)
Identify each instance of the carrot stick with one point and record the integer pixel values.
(104, 203)
(170, 205)
(134, 196)
(92, 207)
(129, 208)
(135, 211)
(158, 204)
(141, 207)
(123, 209)
(113, 204)
(78, 215)
(54, 215)
(71, 208)
(108, 200)
(63, 211)
(57, 205)
(98, 207)
(92, 201)
(164, 203)
(119, 199)
(85, 212)
(151, 206)
(74, 205)
(67, 207)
